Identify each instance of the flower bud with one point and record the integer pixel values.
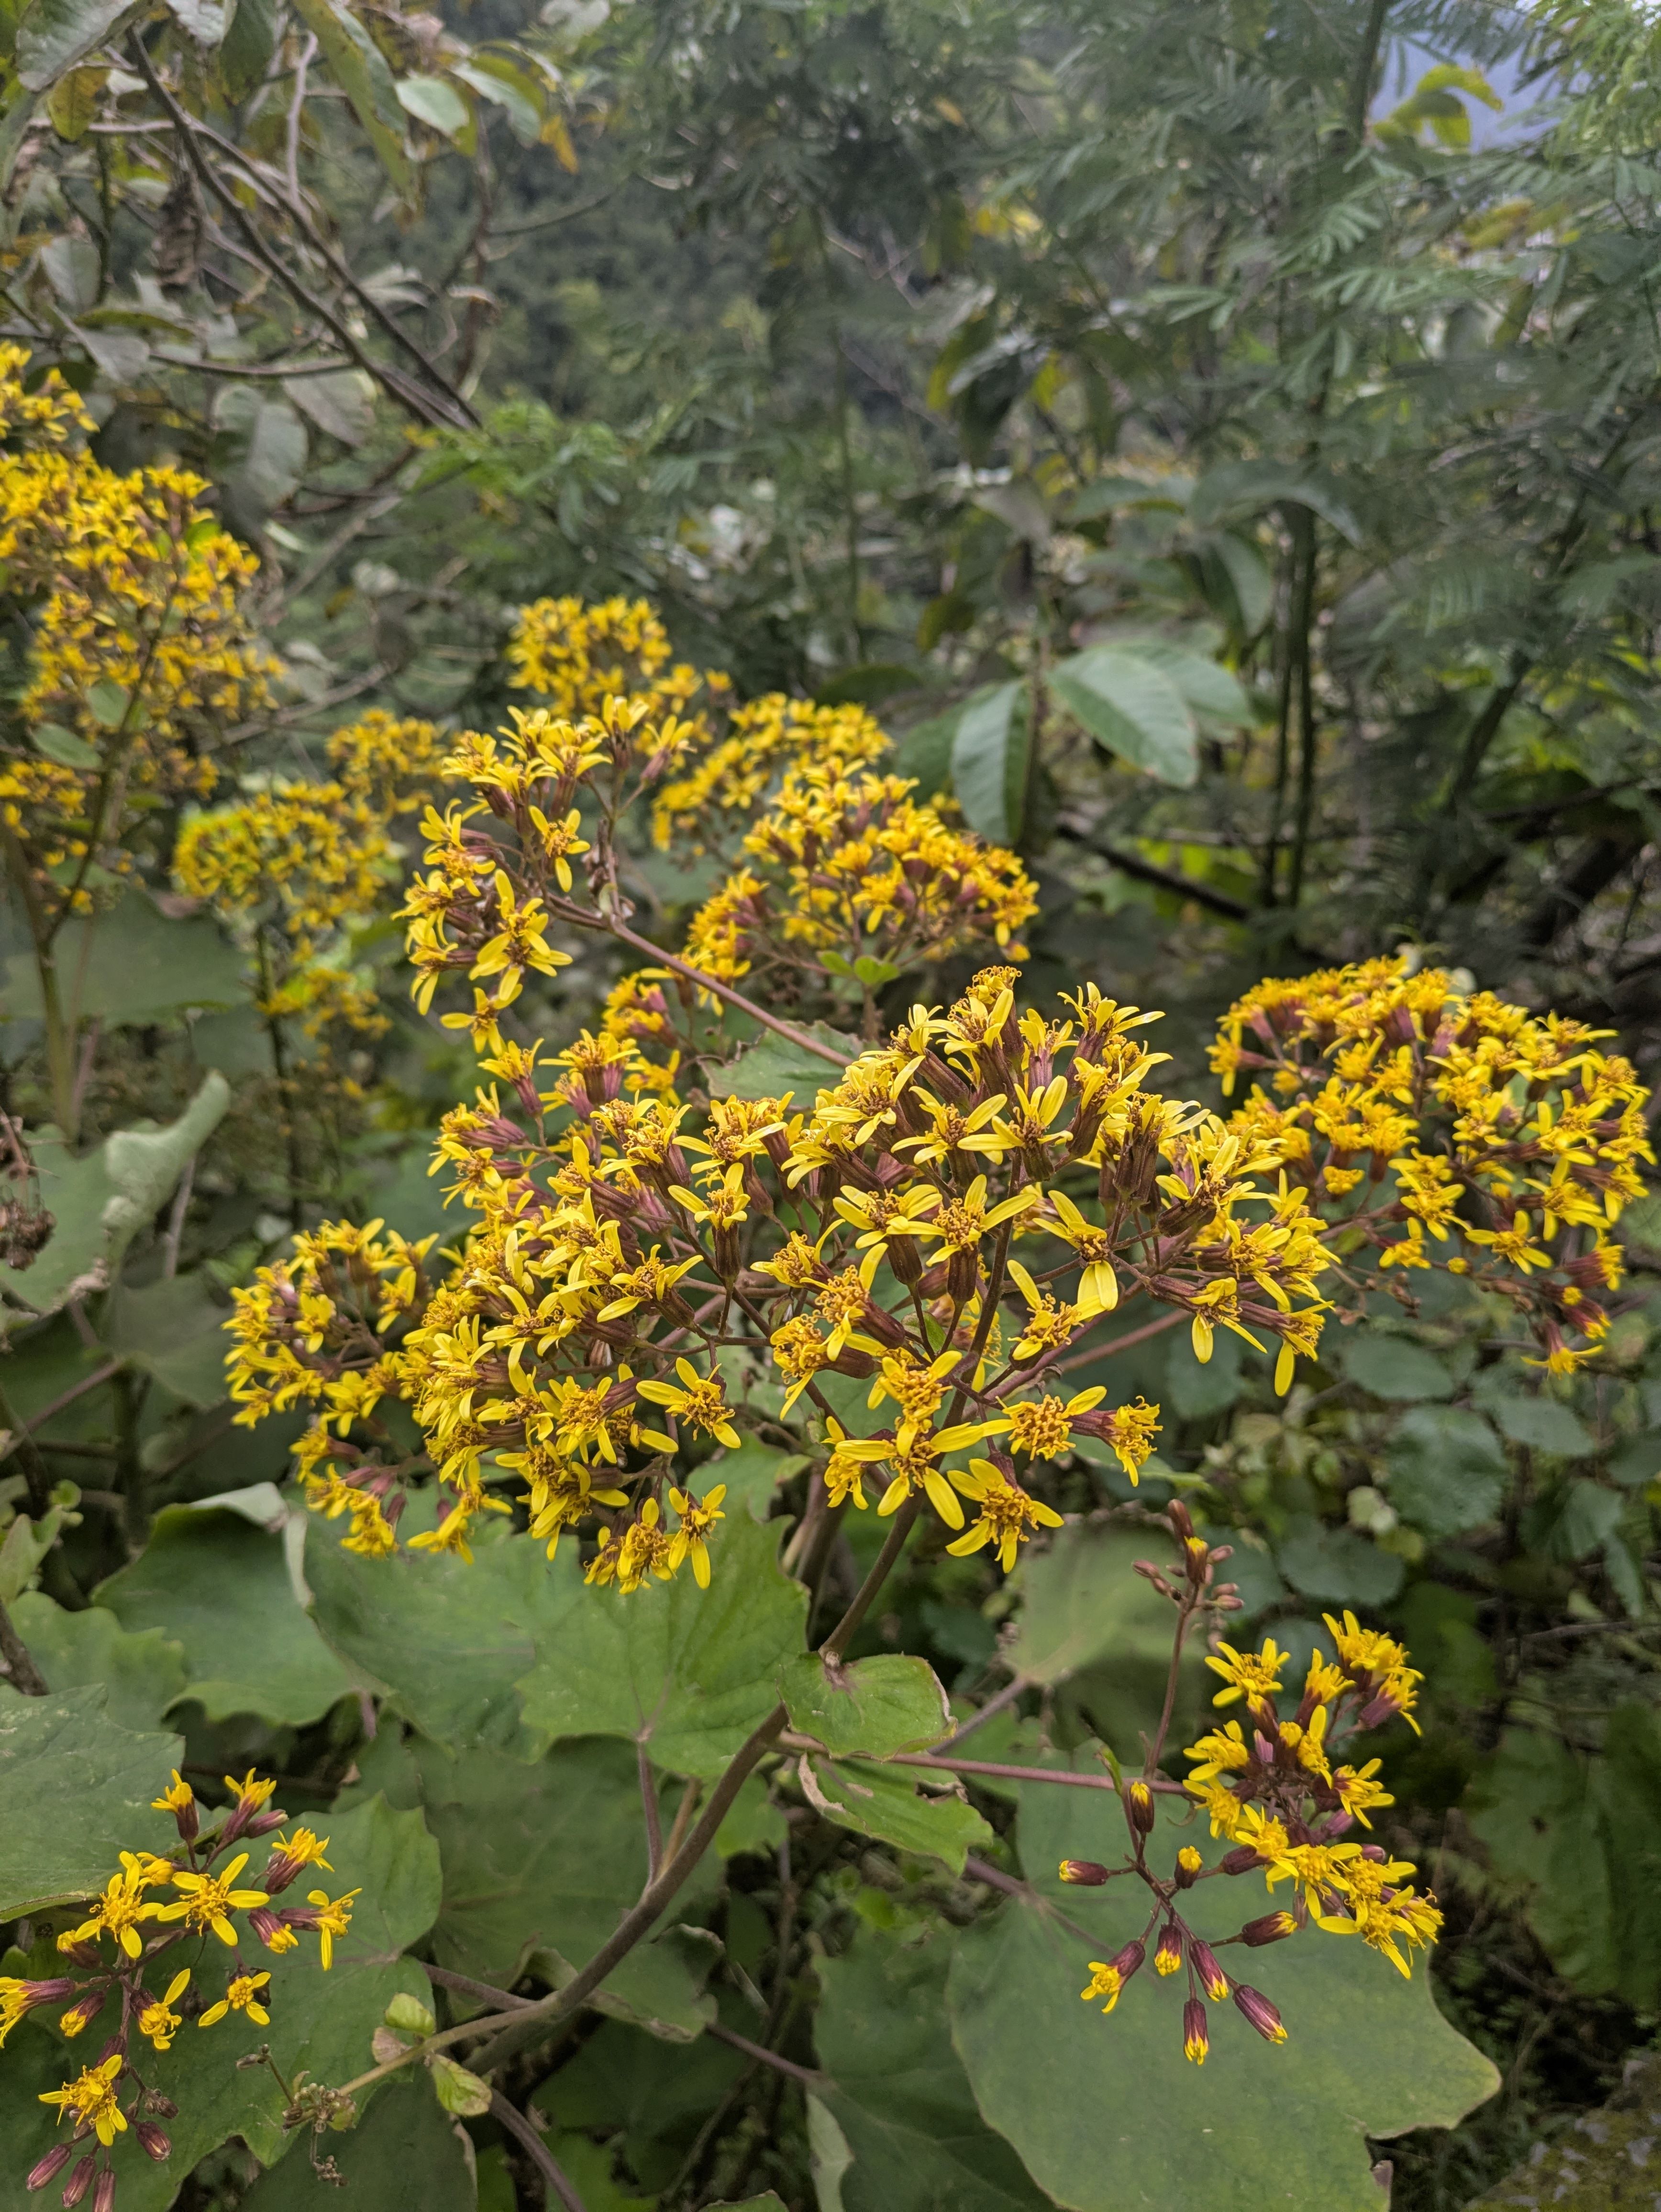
(1240, 1860)
(1089, 1874)
(1190, 1866)
(152, 2140)
(82, 2013)
(49, 2167)
(262, 1823)
(1204, 1959)
(104, 2195)
(1196, 2036)
(1262, 2016)
(1168, 1951)
(1272, 1927)
(79, 2182)
(1139, 1807)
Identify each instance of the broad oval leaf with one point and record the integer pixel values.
(989, 760)
(1133, 709)
(879, 1706)
(53, 35)
(774, 1065)
(77, 1791)
(435, 101)
(1249, 487)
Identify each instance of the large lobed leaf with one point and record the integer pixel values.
(77, 1791)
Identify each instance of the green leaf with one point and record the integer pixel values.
(360, 70)
(1386, 1367)
(53, 35)
(688, 1673)
(174, 1330)
(753, 1822)
(898, 2093)
(435, 101)
(1249, 487)
(495, 78)
(1447, 1470)
(97, 1202)
(877, 1706)
(405, 2152)
(341, 404)
(321, 2023)
(142, 1675)
(1108, 2115)
(272, 438)
(1543, 1424)
(1337, 1566)
(249, 43)
(773, 1066)
(1083, 1601)
(543, 1859)
(108, 699)
(1208, 688)
(1589, 1516)
(752, 1474)
(988, 760)
(445, 1640)
(460, 2092)
(77, 1790)
(139, 967)
(203, 20)
(887, 1804)
(1133, 709)
(923, 754)
(221, 1586)
(54, 742)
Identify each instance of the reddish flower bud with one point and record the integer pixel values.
(1089, 1874)
(83, 2012)
(1204, 1959)
(1262, 2016)
(1139, 1807)
(49, 2167)
(79, 2182)
(1272, 1927)
(1188, 1869)
(262, 1823)
(1196, 2036)
(1168, 1951)
(104, 2195)
(1240, 1860)
(152, 2141)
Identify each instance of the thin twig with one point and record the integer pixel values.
(648, 1800)
(1005, 1698)
(759, 2052)
(467, 1986)
(541, 2157)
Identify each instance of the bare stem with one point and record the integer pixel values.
(648, 1799)
(842, 1635)
(541, 2157)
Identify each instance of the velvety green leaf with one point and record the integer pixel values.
(542, 1859)
(1337, 1566)
(404, 2153)
(687, 1672)
(988, 746)
(899, 2093)
(139, 966)
(1447, 1470)
(1108, 2115)
(360, 70)
(1387, 1367)
(100, 1200)
(1082, 1601)
(53, 35)
(888, 1804)
(772, 1066)
(1133, 709)
(222, 1587)
(1543, 1425)
(445, 1640)
(320, 2022)
(877, 1706)
(174, 1330)
(76, 1791)
(142, 1675)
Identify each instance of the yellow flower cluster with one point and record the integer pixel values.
(131, 593)
(765, 740)
(577, 655)
(390, 762)
(1459, 1130)
(845, 870)
(146, 1910)
(1277, 1797)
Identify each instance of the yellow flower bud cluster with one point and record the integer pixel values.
(1458, 1130)
(126, 1972)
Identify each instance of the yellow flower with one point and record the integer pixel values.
(157, 2019)
(242, 1996)
(1252, 1675)
(699, 1400)
(691, 1538)
(210, 1899)
(1007, 1514)
(91, 2097)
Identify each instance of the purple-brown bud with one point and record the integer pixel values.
(1197, 2035)
(1088, 1874)
(104, 2195)
(1272, 1927)
(1189, 1868)
(1240, 1860)
(1211, 1978)
(1168, 1951)
(1139, 1807)
(1262, 2016)
(152, 2141)
(79, 2182)
(49, 2167)
(83, 2012)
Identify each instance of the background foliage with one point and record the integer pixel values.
(1220, 441)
